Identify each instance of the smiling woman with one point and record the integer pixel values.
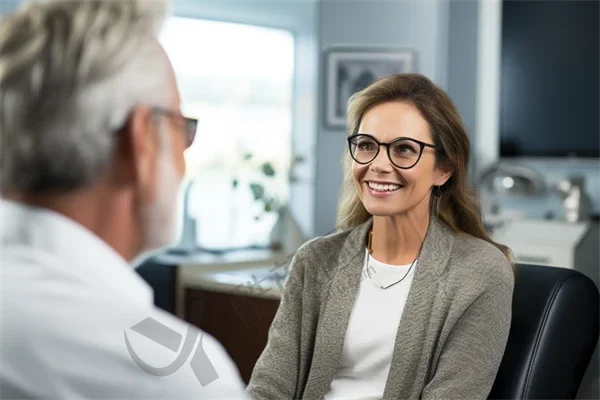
(411, 225)
(408, 167)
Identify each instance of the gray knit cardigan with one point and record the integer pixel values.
(450, 340)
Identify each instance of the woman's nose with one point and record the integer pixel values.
(381, 163)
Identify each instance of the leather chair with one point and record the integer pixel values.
(553, 334)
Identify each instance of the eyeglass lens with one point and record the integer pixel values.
(403, 153)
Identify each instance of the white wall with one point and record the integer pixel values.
(419, 25)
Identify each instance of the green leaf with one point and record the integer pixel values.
(235, 183)
(268, 207)
(258, 190)
(247, 156)
(268, 169)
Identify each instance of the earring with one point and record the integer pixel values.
(437, 192)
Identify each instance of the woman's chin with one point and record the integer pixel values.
(378, 211)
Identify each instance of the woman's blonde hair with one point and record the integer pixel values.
(458, 205)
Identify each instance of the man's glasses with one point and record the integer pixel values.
(190, 124)
(403, 152)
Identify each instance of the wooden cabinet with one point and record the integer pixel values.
(241, 323)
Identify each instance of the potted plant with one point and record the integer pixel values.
(285, 233)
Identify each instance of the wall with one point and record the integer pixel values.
(462, 59)
(300, 17)
(463, 40)
(7, 6)
(422, 26)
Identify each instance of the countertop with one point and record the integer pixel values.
(248, 273)
(257, 281)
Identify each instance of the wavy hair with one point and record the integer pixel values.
(458, 205)
(71, 71)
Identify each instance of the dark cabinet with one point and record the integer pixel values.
(241, 323)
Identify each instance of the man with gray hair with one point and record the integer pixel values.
(92, 142)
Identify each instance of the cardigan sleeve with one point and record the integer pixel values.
(275, 374)
(472, 353)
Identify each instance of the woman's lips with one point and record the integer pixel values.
(381, 193)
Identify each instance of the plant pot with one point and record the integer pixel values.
(286, 234)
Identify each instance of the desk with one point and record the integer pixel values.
(233, 297)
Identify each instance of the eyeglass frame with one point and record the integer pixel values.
(421, 144)
(190, 124)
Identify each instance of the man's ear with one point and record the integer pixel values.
(139, 150)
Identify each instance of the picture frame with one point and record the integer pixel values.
(349, 70)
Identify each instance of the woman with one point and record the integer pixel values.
(411, 300)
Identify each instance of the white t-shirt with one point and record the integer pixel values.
(371, 334)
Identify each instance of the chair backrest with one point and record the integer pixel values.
(552, 337)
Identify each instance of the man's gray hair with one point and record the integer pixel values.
(71, 71)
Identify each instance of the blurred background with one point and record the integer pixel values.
(523, 74)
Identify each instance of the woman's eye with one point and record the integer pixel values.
(404, 149)
(365, 146)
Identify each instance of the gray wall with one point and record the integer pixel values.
(7, 6)
(419, 25)
(462, 62)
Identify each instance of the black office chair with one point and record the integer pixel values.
(553, 334)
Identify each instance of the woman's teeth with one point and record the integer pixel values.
(383, 188)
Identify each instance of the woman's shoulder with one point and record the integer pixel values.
(324, 247)
(479, 261)
(320, 257)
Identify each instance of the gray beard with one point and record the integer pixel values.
(160, 222)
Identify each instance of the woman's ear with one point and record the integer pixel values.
(443, 174)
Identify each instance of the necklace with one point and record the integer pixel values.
(369, 273)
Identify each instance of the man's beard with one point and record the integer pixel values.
(160, 227)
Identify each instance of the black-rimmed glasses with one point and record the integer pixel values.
(403, 152)
(190, 124)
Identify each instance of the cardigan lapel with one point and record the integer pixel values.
(343, 288)
(335, 314)
(408, 350)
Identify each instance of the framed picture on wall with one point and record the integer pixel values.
(349, 70)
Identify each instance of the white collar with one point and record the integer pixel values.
(82, 254)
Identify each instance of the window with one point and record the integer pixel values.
(238, 80)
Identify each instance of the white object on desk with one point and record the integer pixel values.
(552, 243)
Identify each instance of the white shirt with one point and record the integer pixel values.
(371, 334)
(68, 303)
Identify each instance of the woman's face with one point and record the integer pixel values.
(384, 189)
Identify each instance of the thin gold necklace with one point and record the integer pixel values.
(369, 250)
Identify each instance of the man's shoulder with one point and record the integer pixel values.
(93, 341)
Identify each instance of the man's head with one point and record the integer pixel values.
(89, 109)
